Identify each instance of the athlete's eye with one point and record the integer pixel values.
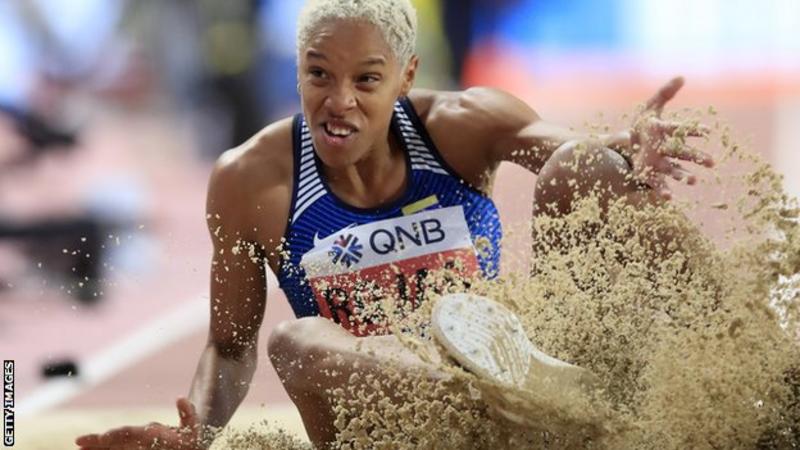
(316, 72)
(369, 78)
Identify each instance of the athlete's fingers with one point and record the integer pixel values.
(123, 437)
(187, 413)
(682, 128)
(91, 442)
(660, 187)
(688, 153)
(87, 439)
(119, 436)
(677, 172)
(665, 94)
(663, 190)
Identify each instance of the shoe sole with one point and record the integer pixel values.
(488, 339)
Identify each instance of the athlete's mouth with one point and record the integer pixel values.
(339, 129)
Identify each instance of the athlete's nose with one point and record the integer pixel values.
(341, 99)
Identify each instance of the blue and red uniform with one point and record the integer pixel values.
(339, 257)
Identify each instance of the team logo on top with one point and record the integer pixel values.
(346, 250)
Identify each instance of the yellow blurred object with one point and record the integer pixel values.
(229, 47)
(432, 48)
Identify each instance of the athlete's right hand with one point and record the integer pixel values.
(659, 145)
(152, 436)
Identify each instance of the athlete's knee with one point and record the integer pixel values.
(578, 169)
(293, 338)
(297, 348)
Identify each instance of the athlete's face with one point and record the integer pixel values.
(349, 81)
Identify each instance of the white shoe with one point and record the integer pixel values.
(487, 339)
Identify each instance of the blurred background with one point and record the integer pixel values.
(113, 111)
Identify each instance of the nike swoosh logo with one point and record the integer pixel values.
(317, 239)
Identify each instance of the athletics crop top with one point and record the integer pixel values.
(339, 258)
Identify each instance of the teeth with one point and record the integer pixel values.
(339, 131)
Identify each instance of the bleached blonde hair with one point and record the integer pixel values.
(396, 19)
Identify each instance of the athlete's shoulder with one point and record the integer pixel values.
(480, 108)
(484, 118)
(264, 158)
(252, 177)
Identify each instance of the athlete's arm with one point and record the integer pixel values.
(493, 126)
(518, 134)
(245, 215)
(522, 137)
(237, 301)
(247, 207)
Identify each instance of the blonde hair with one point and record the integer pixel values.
(396, 19)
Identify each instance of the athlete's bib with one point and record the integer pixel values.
(391, 258)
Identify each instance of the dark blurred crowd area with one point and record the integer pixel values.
(225, 67)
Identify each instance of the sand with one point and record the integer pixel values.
(58, 429)
(693, 339)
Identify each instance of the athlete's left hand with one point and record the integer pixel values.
(656, 145)
(155, 436)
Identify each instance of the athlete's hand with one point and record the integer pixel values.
(657, 145)
(152, 436)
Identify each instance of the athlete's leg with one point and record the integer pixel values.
(314, 355)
